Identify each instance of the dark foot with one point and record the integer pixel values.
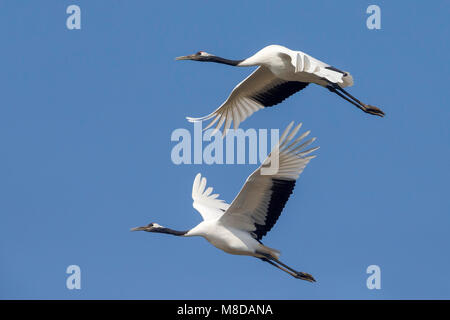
(305, 276)
(373, 110)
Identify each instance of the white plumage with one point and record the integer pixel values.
(206, 203)
(281, 72)
(237, 228)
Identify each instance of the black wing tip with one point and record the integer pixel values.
(281, 191)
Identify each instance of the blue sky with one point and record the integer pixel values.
(85, 123)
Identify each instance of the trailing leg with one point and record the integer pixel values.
(285, 268)
(333, 87)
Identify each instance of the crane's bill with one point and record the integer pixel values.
(262, 198)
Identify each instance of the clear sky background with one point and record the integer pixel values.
(85, 123)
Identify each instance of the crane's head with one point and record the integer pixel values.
(199, 56)
(151, 227)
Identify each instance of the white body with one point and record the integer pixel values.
(292, 65)
(229, 239)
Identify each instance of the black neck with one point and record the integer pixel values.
(223, 61)
(171, 231)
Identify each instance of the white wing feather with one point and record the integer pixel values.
(239, 106)
(206, 203)
(303, 62)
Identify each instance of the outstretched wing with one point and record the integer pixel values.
(206, 203)
(260, 89)
(265, 193)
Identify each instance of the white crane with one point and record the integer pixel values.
(237, 228)
(281, 73)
